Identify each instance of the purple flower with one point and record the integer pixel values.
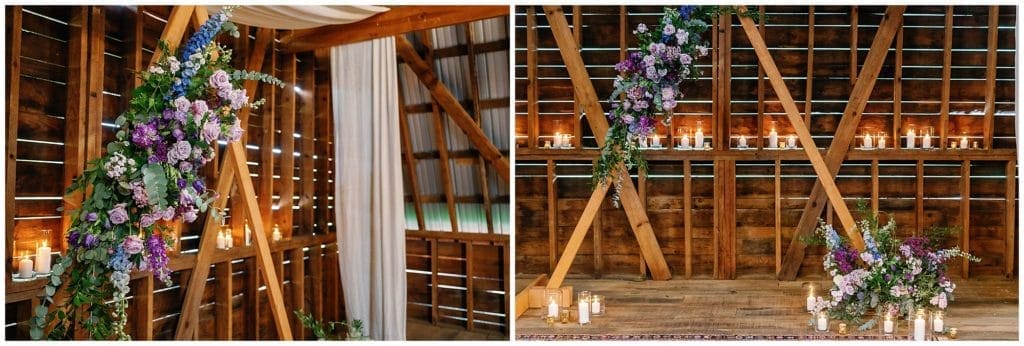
(168, 214)
(180, 151)
(90, 240)
(185, 166)
(139, 193)
(145, 135)
(91, 217)
(238, 99)
(235, 132)
(220, 80)
(682, 36)
(669, 29)
(132, 244)
(148, 220)
(199, 186)
(211, 130)
(178, 134)
(190, 214)
(157, 249)
(73, 238)
(199, 108)
(685, 59)
(182, 104)
(118, 215)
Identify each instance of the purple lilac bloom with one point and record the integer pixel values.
(145, 135)
(185, 166)
(235, 132)
(118, 215)
(157, 250)
(139, 193)
(148, 219)
(199, 186)
(238, 99)
(90, 240)
(685, 59)
(190, 214)
(682, 36)
(845, 259)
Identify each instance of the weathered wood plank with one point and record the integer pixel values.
(552, 217)
(223, 300)
(1011, 218)
(440, 137)
(474, 95)
(531, 76)
(578, 233)
(286, 122)
(990, 74)
(947, 62)
(76, 116)
(965, 215)
(410, 161)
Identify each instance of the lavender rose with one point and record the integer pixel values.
(118, 215)
(182, 104)
(133, 244)
(220, 80)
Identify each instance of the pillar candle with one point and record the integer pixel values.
(791, 142)
(221, 241)
(595, 305)
(937, 325)
(888, 325)
(743, 141)
(810, 303)
(910, 139)
(43, 258)
(773, 139)
(822, 322)
(657, 142)
(881, 142)
(919, 328)
(558, 140)
(699, 139)
(553, 309)
(685, 141)
(25, 268)
(248, 234)
(963, 142)
(276, 234)
(567, 141)
(867, 141)
(584, 307)
(926, 142)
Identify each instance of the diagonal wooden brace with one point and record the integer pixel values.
(586, 95)
(844, 136)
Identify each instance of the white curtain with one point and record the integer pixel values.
(299, 17)
(369, 201)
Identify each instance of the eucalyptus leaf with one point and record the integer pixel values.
(50, 290)
(55, 281)
(41, 309)
(36, 333)
(156, 183)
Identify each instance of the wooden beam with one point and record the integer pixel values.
(269, 126)
(990, 74)
(532, 108)
(77, 111)
(1011, 218)
(919, 200)
(410, 161)
(287, 168)
(94, 116)
(452, 107)
(13, 111)
(874, 186)
(440, 138)
(177, 22)
(598, 242)
(143, 303)
(396, 21)
(641, 189)
(808, 90)
(470, 292)
(688, 216)
(523, 297)
(897, 91)
(725, 219)
(599, 124)
(474, 95)
(820, 167)
(307, 118)
(223, 295)
(578, 234)
(965, 215)
(854, 21)
(947, 62)
(298, 281)
(778, 216)
(841, 142)
(325, 149)
(577, 132)
(316, 279)
(552, 217)
(435, 316)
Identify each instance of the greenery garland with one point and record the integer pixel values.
(650, 82)
(187, 102)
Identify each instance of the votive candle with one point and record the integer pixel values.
(919, 327)
(25, 267)
(773, 139)
(791, 141)
(910, 138)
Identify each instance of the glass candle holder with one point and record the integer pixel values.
(938, 325)
(953, 333)
(552, 299)
(563, 316)
(889, 325)
(773, 135)
(583, 306)
(919, 326)
(842, 329)
(597, 305)
(821, 322)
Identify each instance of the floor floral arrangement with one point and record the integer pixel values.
(650, 80)
(890, 277)
(149, 176)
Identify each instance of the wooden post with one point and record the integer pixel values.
(965, 214)
(440, 137)
(307, 118)
(919, 201)
(470, 292)
(947, 61)
(287, 168)
(552, 217)
(410, 161)
(778, 216)
(13, 102)
(874, 186)
(573, 245)
(725, 219)
(298, 280)
(435, 316)
(1011, 217)
(990, 74)
(94, 115)
(223, 299)
(808, 90)
(688, 216)
(77, 111)
(854, 21)
(897, 91)
(532, 121)
(143, 308)
(843, 138)
(474, 95)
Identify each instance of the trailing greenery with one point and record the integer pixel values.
(328, 330)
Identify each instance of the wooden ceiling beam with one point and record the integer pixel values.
(451, 106)
(397, 21)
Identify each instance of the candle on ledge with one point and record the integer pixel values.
(773, 138)
(221, 240)
(43, 255)
(743, 141)
(552, 306)
(791, 141)
(698, 140)
(584, 307)
(229, 238)
(547, 144)
(25, 267)
(558, 140)
(888, 326)
(684, 143)
(567, 141)
(963, 142)
(919, 326)
(926, 141)
(910, 138)
(822, 324)
(810, 300)
(937, 325)
(564, 316)
(657, 142)
(881, 141)
(248, 234)
(276, 234)
(867, 141)
(974, 145)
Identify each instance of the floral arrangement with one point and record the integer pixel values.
(148, 177)
(650, 80)
(890, 276)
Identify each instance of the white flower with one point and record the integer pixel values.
(156, 69)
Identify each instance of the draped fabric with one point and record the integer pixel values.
(299, 17)
(369, 196)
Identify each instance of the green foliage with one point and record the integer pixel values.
(327, 330)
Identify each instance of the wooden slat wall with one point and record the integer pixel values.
(232, 300)
(788, 31)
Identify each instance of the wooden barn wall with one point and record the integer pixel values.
(51, 116)
(918, 188)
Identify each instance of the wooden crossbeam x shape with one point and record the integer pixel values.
(234, 165)
(631, 203)
(844, 136)
(793, 113)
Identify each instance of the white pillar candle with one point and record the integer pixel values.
(743, 141)
(963, 142)
(276, 234)
(974, 145)
(698, 139)
(773, 139)
(43, 258)
(791, 141)
(595, 306)
(810, 303)
(567, 141)
(229, 239)
(910, 138)
(926, 142)
(881, 142)
(685, 142)
(919, 328)
(558, 140)
(937, 325)
(25, 268)
(221, 241)
(867, 141)
(822, 322)
(584, 307)
(657, 141)
(553, 309)
(888, 326)
(248, 234)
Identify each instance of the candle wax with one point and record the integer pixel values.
(43, 259)
(937, 325)
(910, 139)
(867, 142)
(927, 141)
(881, 142)
(584, 307)
(822, 323)
(553, 309)
(810, 303)
(773, 139)
(919, 329)
(699, 139)
(887, 326)
(25, 268)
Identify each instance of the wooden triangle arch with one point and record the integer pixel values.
(233, 166)
(825, 171)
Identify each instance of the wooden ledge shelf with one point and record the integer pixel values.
(25, 290)
(526, 154)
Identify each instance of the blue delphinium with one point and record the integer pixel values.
(686, 11)
(194, 45)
